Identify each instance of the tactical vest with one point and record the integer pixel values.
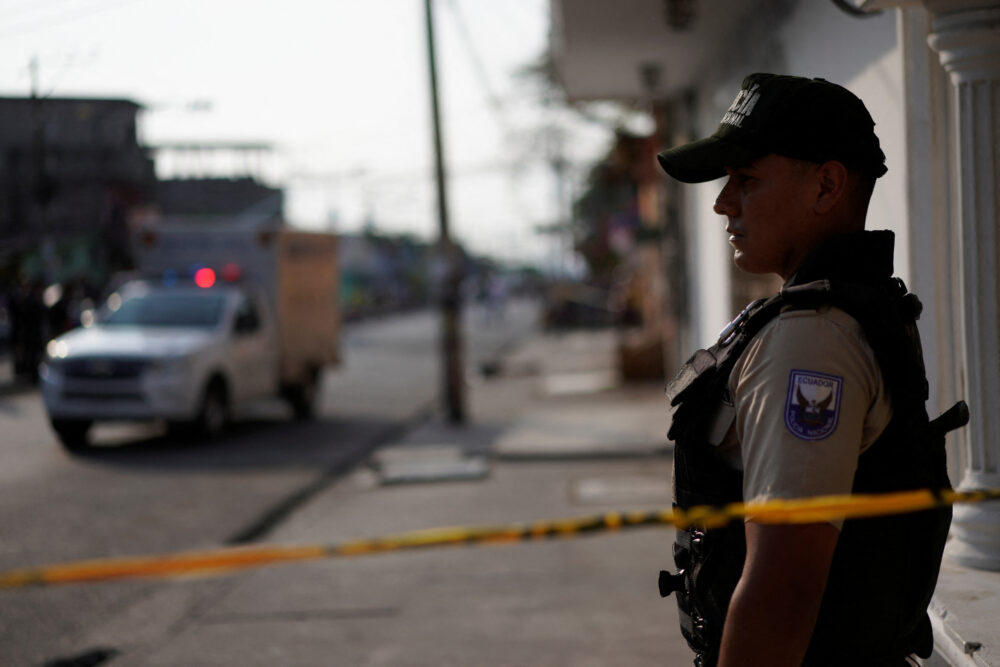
(884, 569)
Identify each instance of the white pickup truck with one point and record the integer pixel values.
(254, 316)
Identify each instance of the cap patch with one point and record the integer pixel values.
(741, 107)
(812, 407)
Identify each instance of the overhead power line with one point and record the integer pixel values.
(416, 174)
(33, 7)
(494, 101)
(30, 26)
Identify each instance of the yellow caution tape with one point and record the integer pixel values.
(217, 561)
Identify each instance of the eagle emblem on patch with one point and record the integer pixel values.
(812, 407)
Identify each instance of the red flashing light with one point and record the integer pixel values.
(204, 277)
(232, 273)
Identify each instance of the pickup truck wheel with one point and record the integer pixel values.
(214, 413)
(302, 397)
(72, 433)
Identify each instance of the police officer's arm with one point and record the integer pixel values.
(775, 605)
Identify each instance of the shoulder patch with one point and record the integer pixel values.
(812, 407)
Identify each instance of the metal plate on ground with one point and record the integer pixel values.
(622, 490)
(586, 430)
(411, 465)
(589, 382)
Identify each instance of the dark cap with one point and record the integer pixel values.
(806, 119)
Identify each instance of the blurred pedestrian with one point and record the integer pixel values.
(27, 321)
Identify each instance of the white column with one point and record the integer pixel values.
(968, 43)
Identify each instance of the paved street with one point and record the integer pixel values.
(139, 492)
(560, 437)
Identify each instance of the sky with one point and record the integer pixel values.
(340, 89)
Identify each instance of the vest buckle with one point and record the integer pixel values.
(697, 542)
(670, 583)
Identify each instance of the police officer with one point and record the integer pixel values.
(819, 390)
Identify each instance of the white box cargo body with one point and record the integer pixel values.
(297, 270)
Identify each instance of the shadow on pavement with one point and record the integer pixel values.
(249, 444)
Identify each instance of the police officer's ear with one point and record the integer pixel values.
(832, 184)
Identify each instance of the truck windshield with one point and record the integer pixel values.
(169, 309)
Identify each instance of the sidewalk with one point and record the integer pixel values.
(552, 435)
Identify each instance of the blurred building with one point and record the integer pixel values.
(929, 72)
(217, 183)
(71, 172)
(218, 197)
(626, 242)
(383, 274)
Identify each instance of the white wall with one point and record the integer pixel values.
(708, 245)
(865, 56)
(711, 254)
(933, 223)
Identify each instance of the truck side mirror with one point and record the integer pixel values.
(246, 322)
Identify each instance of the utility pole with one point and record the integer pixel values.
(33, 74)
(451, 339)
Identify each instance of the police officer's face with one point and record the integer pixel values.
(767, 204)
